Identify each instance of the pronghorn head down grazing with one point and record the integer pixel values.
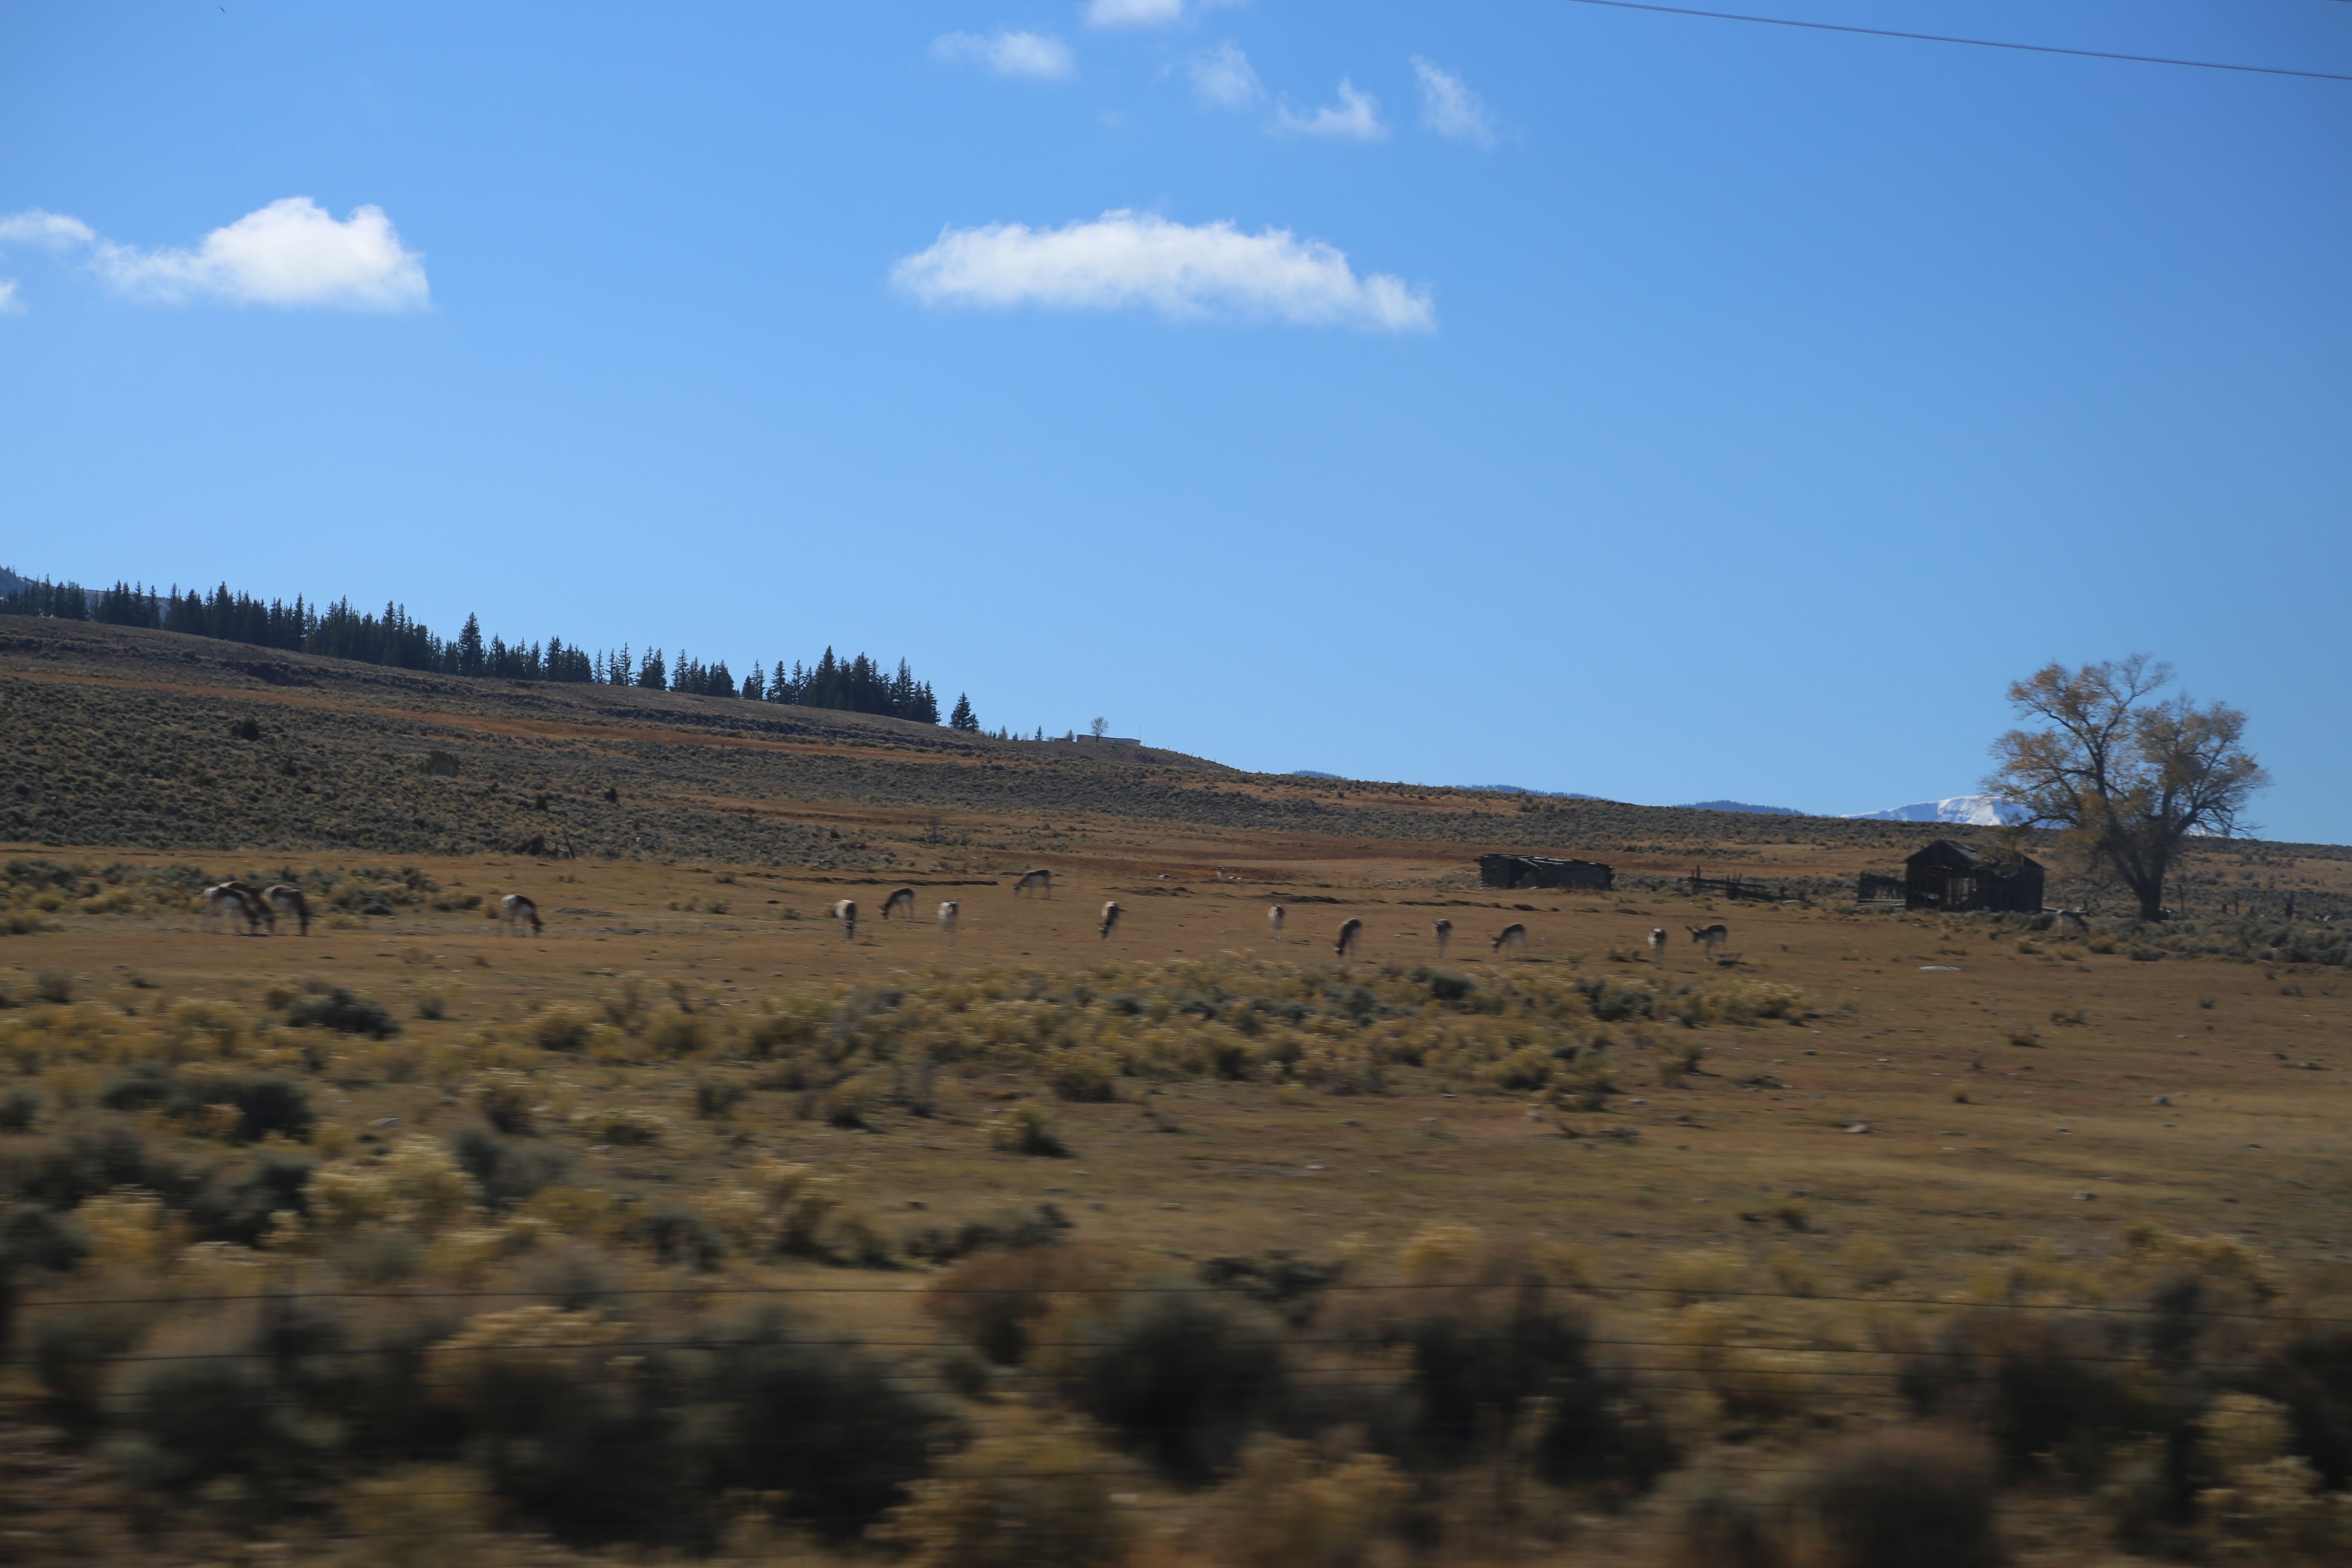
(1657, 944)
(1349, 934)
(1444, 930)
(947, 919)
(237, 899)
(1041, 879)
(286, 900)
(1710, 937)
(1513, 936)
(1111, 911)
(514, 909)
(846, 911)
(1275, 916)
(901, 900)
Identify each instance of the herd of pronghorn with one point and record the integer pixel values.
(1512, 938)
(260, 907)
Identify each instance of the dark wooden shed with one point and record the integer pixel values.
(1543, 871)
(1955, 876)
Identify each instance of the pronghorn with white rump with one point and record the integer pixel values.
(237, 899)
(1444, 930)
(1111, 911)
(286, 900)
(1710, 937)
(947, 912)
(846, 911)
(1275, 916)
(901, 900)
(1513, 936)
(514, 909)
(1041, 878)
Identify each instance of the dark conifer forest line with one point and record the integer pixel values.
(855, 685)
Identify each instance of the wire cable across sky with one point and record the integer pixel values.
(1974, 43)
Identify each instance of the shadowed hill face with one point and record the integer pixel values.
(150, 739)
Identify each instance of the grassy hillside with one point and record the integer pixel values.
(130, 738)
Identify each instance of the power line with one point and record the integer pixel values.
(1976, 43)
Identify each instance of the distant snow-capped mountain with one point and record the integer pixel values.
(1970, 810)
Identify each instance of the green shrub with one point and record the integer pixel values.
(1718, 1523)
(1178, 1377)
(679, 1234)
(1025, 1130)
(505, 1100)
(2039, 1388)
(333, 1007)
(19, 1109)
(1008, 1231)
(561, 1029)
(1018, 1500)
(507, 1170)
(72, 1352)
(264, 1102)
(181, 1423)
(714, 1098)
(816, 1423)
(993, 1301)
(1917, 1495)
(35, 1237)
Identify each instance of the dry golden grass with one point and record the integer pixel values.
(1749, 1173)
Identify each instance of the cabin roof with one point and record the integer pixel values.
(1966, 856)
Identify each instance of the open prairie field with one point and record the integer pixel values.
(697, 1223)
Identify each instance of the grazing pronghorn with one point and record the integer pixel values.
(846, 911)
(286, 900)
(240, 898)
(1275, 916)
(514, 909)
(903, 900)
(1515, 936)
(948, 922)
(1041, 878)
(2072, 923)
(1349, 933)
(1111, 911)
(1444, 930)
(1657, 944)
(1713, 936)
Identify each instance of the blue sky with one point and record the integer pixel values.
(1581, 398)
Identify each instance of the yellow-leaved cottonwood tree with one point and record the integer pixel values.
(2129, 778)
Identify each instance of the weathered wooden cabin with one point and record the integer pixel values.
(1955, 876)
(1543, 871)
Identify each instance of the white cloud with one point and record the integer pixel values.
(292, 252)
(50, 231)
(1146, 13)
(1222, 77)
(9, 304)
(1450, 108)
(1127, 261)
(1356, 119)
(1009, 53)
(1134, 13)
